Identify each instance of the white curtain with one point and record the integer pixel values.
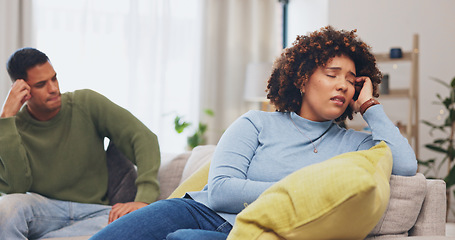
(156, 58)
(142, 54)
(236, 32)
(15, 32)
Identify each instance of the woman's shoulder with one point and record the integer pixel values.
(262, 116)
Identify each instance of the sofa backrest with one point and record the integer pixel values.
(432, 218)
(416, 207)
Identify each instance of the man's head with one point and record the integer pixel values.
(22, 60)
(34, 68)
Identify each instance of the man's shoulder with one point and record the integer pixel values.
(85, 95)
(84, 92)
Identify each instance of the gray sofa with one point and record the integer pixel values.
(416, 209)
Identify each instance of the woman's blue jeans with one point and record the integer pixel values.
(171, 219)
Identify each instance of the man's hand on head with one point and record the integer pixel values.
(121, 209)
(17, 96)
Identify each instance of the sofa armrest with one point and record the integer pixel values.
(432, 218)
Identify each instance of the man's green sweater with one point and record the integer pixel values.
(64, 158)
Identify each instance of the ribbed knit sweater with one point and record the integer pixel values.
(64, 158)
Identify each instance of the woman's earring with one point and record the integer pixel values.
(302, 89)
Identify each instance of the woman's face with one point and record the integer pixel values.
(329, 90)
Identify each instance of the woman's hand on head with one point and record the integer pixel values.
(365, 87)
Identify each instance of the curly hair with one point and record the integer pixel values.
(298, 62)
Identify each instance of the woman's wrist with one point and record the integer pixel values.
(370, 102)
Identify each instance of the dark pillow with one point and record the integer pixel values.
(122, 176)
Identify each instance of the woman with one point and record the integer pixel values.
(322, 79)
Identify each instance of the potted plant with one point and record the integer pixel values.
(443, 145)
(198, 137)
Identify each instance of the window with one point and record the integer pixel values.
(144, 55)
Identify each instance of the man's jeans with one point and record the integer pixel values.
(33, 216)
(171, 219)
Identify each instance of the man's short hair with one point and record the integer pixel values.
(22, 60)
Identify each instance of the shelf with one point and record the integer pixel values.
(410, 128)
(385, 57)
(395, 93)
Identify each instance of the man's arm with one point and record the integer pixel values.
(18, 95)
(136, 142)
(15, 173)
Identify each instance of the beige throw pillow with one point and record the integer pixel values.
(170, 174)
(199, 156)
(406, 198)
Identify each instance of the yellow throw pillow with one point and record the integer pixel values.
(341, 198)
(195, 182)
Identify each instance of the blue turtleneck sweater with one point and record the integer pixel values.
(261, 148)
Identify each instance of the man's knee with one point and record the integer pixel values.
(17, 203)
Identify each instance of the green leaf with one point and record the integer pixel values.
(440, 141)
(180, 125)
(438, 127)
(452, 83)
(195, 140)
(440, 81)
(428, 123)
(431, 124)
(450, 178)
(452, 115)
(439, 97)
(447, 123)
(209, 112)
(435, 148)
(442, 162)
(426, 163)
(450, 152)
(447, 102)
(202, 128)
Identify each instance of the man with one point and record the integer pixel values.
(52, 159)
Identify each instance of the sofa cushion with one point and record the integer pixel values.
(406, 198)
(170, 173)
(341, 198)
(196, 172)
(195, 182)
(121, 177)
(199, 157)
